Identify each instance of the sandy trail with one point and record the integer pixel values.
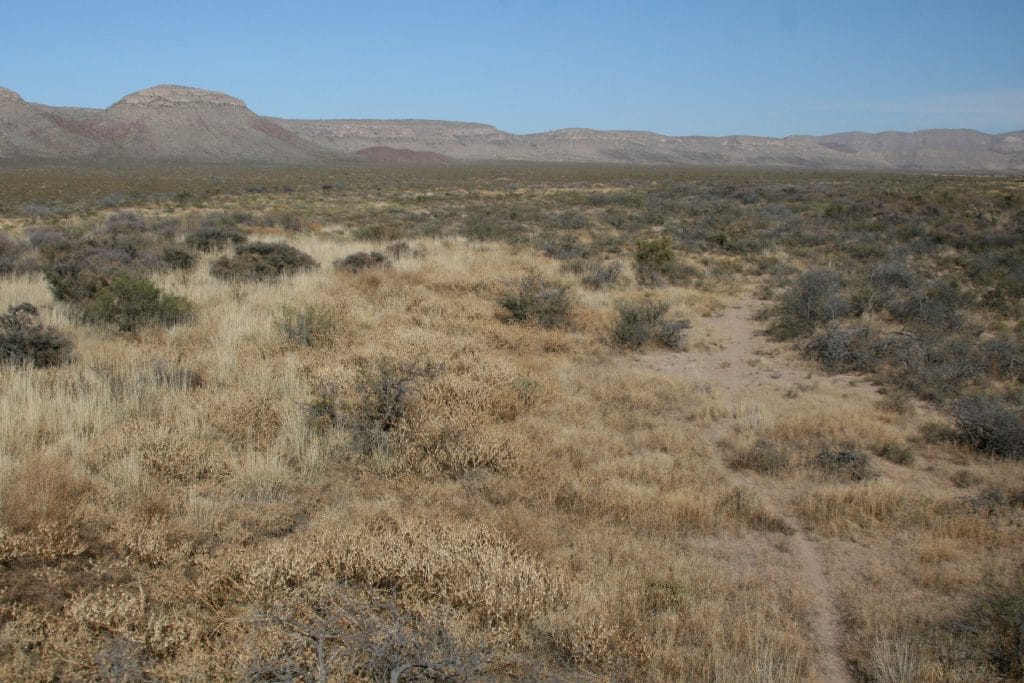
(741, 364)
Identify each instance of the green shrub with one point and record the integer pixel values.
(990, 426)
(534, 300)
(262, 261)
(654, 263)
(77, 274)
(813, 298)
(642, 323)
(215, 237)
(131, 301)
(25, 339)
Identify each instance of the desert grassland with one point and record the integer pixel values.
(206, 499)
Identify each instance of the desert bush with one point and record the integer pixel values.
(132, 301)
(262, 261)
(654, 263)
(764, 456)
(1000, 358)
(990, 425)
(384, 394)
(895, 453)
(77, 275)
(215, 237)
(992, 629)
(308, 326)
(15, 257)
(843, 463)
(840, 349)
(813, 298)
(177, 258)
(534, 300)
(323, 413)
(642, 323)
(594, 273)
(362, 260)
(25, 339)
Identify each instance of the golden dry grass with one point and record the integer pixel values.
(547, 500)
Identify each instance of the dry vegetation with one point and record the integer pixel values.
(486, 423)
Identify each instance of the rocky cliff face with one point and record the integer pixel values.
(171, 122)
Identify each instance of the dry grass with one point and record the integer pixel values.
(541, 504)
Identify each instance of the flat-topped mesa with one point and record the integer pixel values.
(176, 95)
(9, 96)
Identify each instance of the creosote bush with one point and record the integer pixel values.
(534, 300)
(643, 323)
(655, 263)
(814, 298)
(25, 339)
(262, 261)
(363, 260)
(131, 301)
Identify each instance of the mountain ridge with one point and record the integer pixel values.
(182, 123)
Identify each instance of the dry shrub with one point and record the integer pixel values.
(844, 463)
(764, 456)
(991, 426)
(363, 260)
(213, 238)
(25, 339)
(425, 417)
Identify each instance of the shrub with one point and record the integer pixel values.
(814, 298)
(15, 257)
(24, 339)
(262, 261)
(383, 397)
(895, 453)
(178, 259)
(215, 237)
(841, 349)
(594, 273)
(534, 300)
(309, 326)
(843, 463)
(655, 263)
(642, 323)
(992, 628)
(764, 456)
(77, 275)
(363, 260)
(991, 426)
(131, 301)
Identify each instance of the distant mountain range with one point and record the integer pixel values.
(176, 123)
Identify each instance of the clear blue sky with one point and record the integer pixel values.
(706, 68)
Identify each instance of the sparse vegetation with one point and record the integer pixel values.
(354, 474)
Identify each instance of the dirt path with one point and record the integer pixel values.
(740, 363)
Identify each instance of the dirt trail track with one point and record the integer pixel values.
(742, 365)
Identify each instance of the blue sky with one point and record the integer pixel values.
(681, 68)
